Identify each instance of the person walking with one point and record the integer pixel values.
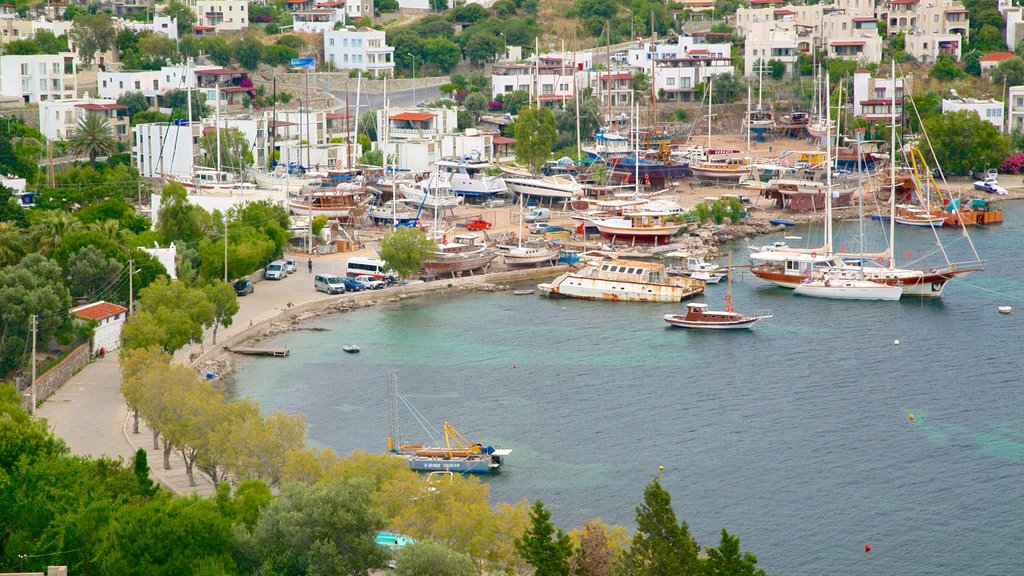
(310, 262)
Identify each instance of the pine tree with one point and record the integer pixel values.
(727, 560)
(661, 547)
(546, 549)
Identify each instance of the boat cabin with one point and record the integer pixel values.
(646, 219)
(632, 271)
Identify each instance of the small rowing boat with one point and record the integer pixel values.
(350, 348)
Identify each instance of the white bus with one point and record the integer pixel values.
(369, 267)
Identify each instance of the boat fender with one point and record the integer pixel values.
(814, 254)
(444, 239)
(867, 547)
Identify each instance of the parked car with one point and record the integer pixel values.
(371, 282)
(276, 270)
(538, 215)
(329, 283)
(351, 285)
(478, 224)
(289, 265)
(538, 227)
(243, 287)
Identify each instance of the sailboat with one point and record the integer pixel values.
(760, 120)
(729, 170)
(522, 257)
(699, 316)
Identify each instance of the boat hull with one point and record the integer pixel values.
(460, 465)
(628, 167)
(937, 221)
(618, 291)
(680, 321)
(928, 284)
(534, 261)
(457, 266)
(277, 183)
(839, 291)
(541, 190)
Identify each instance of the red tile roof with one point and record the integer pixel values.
(617, 76)
(997, 57)
(413, 116)
(338, 116)
(230, 89)
(218, 72)
(203, 28)
(500, 140)
(847, 43)
(98, 310)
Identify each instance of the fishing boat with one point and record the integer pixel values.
(332, 202)
(456, 455)
(699, 316)
(521, 257)
(639, 227)
(794, 123)
(285, 179)
(839, 288)
(394, 212)
(433, 192)
(609, 144)
(914, 216)
(350, 348)
(622, 281)
(730, 170)
(462, 255)
(698, 269)
(467, 176)
(547, 188)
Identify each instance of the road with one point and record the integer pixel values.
(375, 100)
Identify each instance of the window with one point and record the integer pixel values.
(55, 67)
(104, 83)
(670, 81)
(138, 84)
(24, 85)
(42, 69)
(156, 83)
(330, 42)
(993, 113)
(120, 84)
(42, 83)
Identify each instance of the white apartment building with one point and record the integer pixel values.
(164, 148)
(318, 20)
(989, 110)
(1015, 116)
(677, 78)
(639, 56)
(928, 48)
(39, 77)
(872, 97)
(419, 123)
(58, 118)
(353, 9)
(614, 87)
(363, 49)
(15, 29)
(928, 17)
(770, 41)
(221, 15)
(420, 154)
(1014, 25)
(160, 25)
(550, 82)
(152, 83)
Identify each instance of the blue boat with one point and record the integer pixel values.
(781, 221)
(649, 169)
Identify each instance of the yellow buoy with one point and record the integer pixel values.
(910, 416)
(660, 468)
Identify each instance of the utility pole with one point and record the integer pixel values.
(225, 248)
(35, 330)
(131, 285)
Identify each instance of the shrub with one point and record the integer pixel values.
(1012, 165)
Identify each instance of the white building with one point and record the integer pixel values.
(221, 15)
(162, 148)
(58, 118)
(872, 97)
(989, 110)
(166, 256)
(419, 123)
(928, 47)
(39, 77)
(551, 82)
(1015, 118)
(15, 183)
(109, 318)
(160, 25)
(928, 17)
(318, 20)
(1014, 16)
(363, 49)
(152, 83)
(420, 154)
(354, 9)
(767, 41)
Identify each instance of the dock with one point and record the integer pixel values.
(278, 352)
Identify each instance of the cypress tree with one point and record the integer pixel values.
(546, 549)
(661, 547)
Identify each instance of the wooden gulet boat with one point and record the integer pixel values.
(700, 317)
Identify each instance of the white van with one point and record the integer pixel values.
(329, 283)
(289, 265)
(276, 270)
(538, 215)
(358, 266)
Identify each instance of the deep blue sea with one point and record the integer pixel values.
(794, 435)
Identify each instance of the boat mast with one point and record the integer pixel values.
(654, 94)
(728, 285)
(749, 116)
(828, 173)
(608, 69)
(892, 167)
(711, 88)
(394, 421)
(216, 121)
(576, 97)
(636, 153)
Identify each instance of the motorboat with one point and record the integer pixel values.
(284, 178)
(547, 188)
(699, 316)
(205, 179)
(394, 212)
(914, 216)
(467, 177)
(522, 257)
(433, 192)
(731, 170)
(848, 289)
(990, 185)
(639, 227)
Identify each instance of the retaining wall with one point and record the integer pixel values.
(55, 377)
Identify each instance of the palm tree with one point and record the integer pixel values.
(92, 136)
(11, 244)
(48, 227)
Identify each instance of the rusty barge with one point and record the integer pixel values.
(623, 281)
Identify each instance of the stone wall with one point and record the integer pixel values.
(55, 377)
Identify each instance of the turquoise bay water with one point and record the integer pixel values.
(794, 435)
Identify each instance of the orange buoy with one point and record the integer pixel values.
(910, 416)
(867, 547)
(513, 366)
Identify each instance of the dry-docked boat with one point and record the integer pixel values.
(467, 177)
(522, 257)
(462, 255)
(639, 227)
(546, 189)
(623, 280)
(432, 192)
(333, 202)
(205, 180)
(281, 179)
(731, 170)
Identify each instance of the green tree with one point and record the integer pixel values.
(34, 286)
(596, 8)
(183, 14)
(946, 69)
(482, 47)
(964, 143)
(1009, 72)
(423, 558)
(475, 104)
(248, 445)
(189, 46)
(405, 249)
(514, 101)
(727, 560)
(661, 546)
(248, 52)
(177, 101)
(972, 64)
(178, 220)
(438, 5)
(26, 47)
(92, 137)
(777, 69)
(546, 549)
(49, 43)
(279, 55)
(225, 304)
(90, 272)
(235, 150)
(218, 49)
(442, 52)
(92, 33)
(536, 134)
(181, 313)
(135, 101)
(321, 529)
(167, 536)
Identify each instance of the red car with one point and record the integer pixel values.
(478, 224)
